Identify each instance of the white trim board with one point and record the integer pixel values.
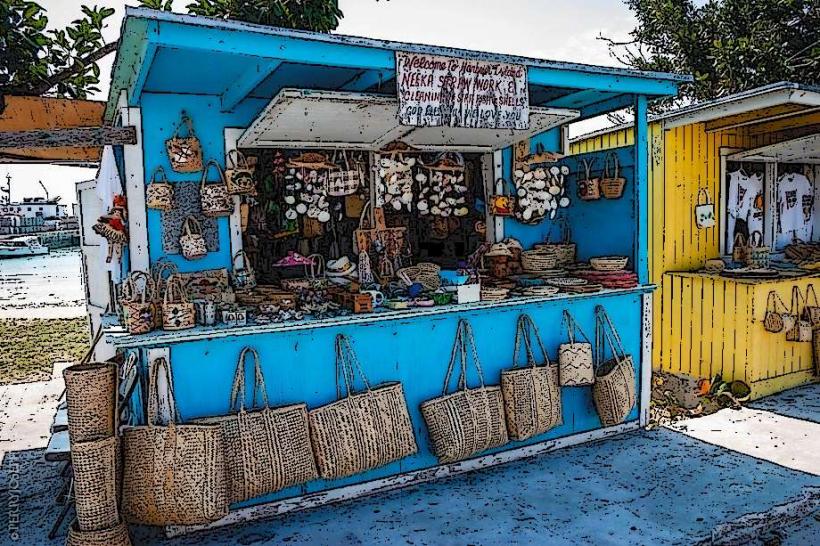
(321, 498)
(134, 187)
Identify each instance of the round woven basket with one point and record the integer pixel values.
(115, 536)
(91, 398)
(534, 261)
(426, 274)
(490, 293)
(564, 252)
(609, 263)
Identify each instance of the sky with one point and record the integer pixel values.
(563, 30)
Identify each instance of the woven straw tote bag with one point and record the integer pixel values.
(345, 181)
(115, 536)
(239, 174)
(773, 319)
(184, 153)
(244, 277)
(161, 271)
(532, 396)
(91, 397)
(612, 184)
(96, 466)
(575, 361)
(178, 311)
(589, 188)
(138, 302)
(191, 241)
(801, 329)
(214, 198)
(266, 449)
(159, 194)
(467, 421)
(614, 388)
(172, 474)
(362, 430)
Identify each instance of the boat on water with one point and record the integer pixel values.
(21, 246)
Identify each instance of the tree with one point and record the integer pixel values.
(729, 46)
(63, 62)
(316, 15)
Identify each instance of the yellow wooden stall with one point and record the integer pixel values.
(706, 324)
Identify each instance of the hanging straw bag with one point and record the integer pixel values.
(612, 184)
(191, 240)
(172, 474)
(704, 210)
(115, 536)
(213, 196)
(801, 330)
(564, 250)
(158, 271)
(239, 174)
(575, 361)
(96, 468)
(532, 397)
(758, 254)
(362, 430)
(614, 390)
(244, 277)
(347, 180)
(740, 249)
(91, 399)
(773, 320)
(393, 240)
(811, 312)
(589, 188)
(137, 301)
(178, 312)
(266, 449)
(468, 421)
(159, 194)
(184, 153)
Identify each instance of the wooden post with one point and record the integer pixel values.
(76, 137)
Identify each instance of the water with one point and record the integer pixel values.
(48, 286)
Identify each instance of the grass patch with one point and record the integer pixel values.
(30, 347)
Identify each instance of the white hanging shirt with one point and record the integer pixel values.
(745, 201)
(795, 204)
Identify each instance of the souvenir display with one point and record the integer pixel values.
(395, 182)
(443, 188)
(159, 194)
(184, 153)
(215, 200)
(540, 192)
(305, 184)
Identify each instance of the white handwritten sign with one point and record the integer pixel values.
(444, 91)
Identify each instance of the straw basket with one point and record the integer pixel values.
(575, 360)
(609, 263)
(214, 197)
(159, 194)
(267, 449)
(158, 271)
(614, 388)
(801, 330)
(191, 241)
(426, 274)
(536, 261)
(91, 396)
(115, 536)
(239, 174)
(96, 465)
(589, 188)
(532, 397)
(184, 153)
(468, 421)
(178, 312)
(612, 184)
(138, 302)
(361, 430)
(346, 181)
(174, 474)
(564, 250)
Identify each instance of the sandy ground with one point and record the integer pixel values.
(647, 487)
(47, 286)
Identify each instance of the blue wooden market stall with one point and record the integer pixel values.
(262, 89)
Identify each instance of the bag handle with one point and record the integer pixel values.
(238, 391)
(773, 300)
(572, 326)
(160, 365)
(237, 160)
(605, 331)
(246, 262)
(184, 119)
(756, 239)
(208, 165)
(190, 226)
(346, 363)
(522, 331)
(155, 176)
(740, 239)
(615, 163)
(704, 193)
(464, 340)
(797, 297)
(588, 164)
(316, 267)
(174, 287)
(364, 215)
(811, 296)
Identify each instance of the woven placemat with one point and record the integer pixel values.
(186, 202)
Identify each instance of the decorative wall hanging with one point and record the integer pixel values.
(362, 430)
(443, 188)
(704, 210)
(540, 187)
(394, 188)
(614, 388)
(186, 203)
(184, 153)
(467, 421)
(266, 449)
(532, 397)
(239, 174)
(191, 240)
(589, 187)
(159, 194)
(305, 186)
(612, 183)
(213, 196)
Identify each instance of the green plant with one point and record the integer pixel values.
(317, 15)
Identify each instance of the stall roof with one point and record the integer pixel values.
(163, 52)
(305, 119)
(799, 150)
